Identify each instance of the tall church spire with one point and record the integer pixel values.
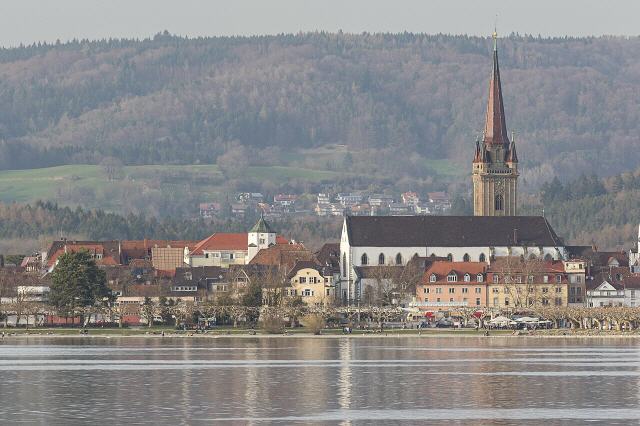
(495, 127)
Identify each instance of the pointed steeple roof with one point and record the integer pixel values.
(495, 127)
(262, 227)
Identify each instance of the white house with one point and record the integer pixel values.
(394, 240)
(605, 294)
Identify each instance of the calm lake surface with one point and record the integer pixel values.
(295, 380)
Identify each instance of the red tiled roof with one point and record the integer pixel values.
(443, 268)
(228, 241)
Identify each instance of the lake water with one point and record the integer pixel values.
(344, 381)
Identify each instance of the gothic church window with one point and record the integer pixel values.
(499, 203)
(364, 259)
(466, 257)
(482, 258)
(344, 264)
(398, 259)
(381, 259)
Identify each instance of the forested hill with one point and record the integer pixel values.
(394, 100)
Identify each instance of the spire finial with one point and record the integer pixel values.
(495, 34)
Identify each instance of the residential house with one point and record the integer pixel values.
(576, 270)
(516, 283)
(410, 198)
(225, 249)
(380, 200)
(312, 283)
(285, 200)
(452, 284)
(347, 200)
(209, 210)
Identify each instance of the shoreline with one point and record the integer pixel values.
(109, 334)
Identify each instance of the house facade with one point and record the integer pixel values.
(452, 284)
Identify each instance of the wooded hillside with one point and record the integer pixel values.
(396, 101)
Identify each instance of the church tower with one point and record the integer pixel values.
(495, 164)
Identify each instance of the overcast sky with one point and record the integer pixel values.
(27, 21)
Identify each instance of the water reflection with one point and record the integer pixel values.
(345, 381)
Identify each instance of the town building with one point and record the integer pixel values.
(225, 249)
(312, 283)
(384, 240)
(452, 284)
(495, 163)
(517, 283)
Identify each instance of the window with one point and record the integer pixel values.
(545, 289)
(545, 302)
(479, 278)
(398, 259)
(466, 257)
(261, 240)
(467, 278)
(328, 292)
(438, 300)
(558, 289)
(450, 257)
(452, 278)
(482, 258)
(465, 290)
(519, 279)
(303, 280)
(558, 301)
(451, 299)
(307, 292)
(344, 264)
(579, 279)
(495, 301)
(478, 290)
(530, 279)
(439, 290)
(545, 279)
(364, 259)
(452, 290)
(548, 257)
(496, 278)
(506, 301)
(426, 290)
(495, 290)
(381, 259)
(433, 278)
(477, 301)
(559, 279)
(499, 203)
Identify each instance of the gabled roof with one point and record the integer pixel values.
(329, 255)
(109, 251)
(283, 255)
(228, 241)
(450, 231)
(442, 269)
(305, 264)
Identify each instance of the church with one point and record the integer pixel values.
(493, 230)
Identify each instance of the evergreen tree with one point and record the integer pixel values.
(77, 282)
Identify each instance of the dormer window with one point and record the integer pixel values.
(479, 278)
(452, 277)
(467, 278)
(432, 278)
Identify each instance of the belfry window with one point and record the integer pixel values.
(499, 203)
